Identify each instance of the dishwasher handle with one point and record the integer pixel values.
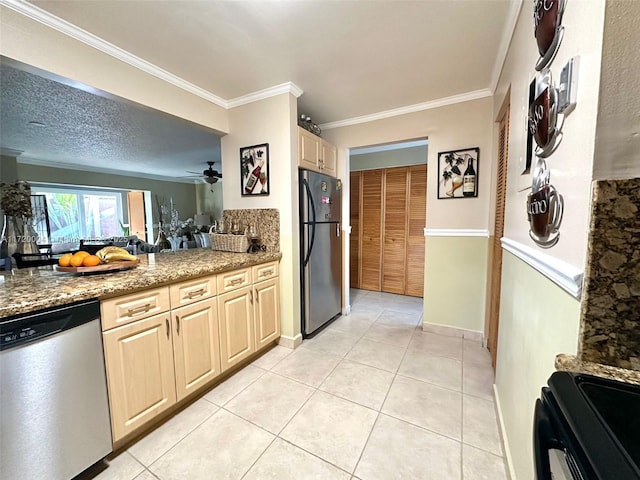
(23, 329)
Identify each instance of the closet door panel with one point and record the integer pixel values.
(395, 230)
(354, 221)
(417, 209)
(371, 230)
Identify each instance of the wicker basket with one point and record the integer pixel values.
(229, 243)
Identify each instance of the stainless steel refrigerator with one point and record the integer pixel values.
(320, 249)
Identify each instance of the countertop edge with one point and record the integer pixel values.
(110, 289)
(570, 363)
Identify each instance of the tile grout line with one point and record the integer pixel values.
(364, 447)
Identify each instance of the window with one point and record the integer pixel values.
(76, 213)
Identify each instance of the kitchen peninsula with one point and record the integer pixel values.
(170, 327)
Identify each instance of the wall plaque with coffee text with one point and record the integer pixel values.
(548, 29)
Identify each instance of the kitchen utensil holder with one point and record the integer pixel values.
(229, 243)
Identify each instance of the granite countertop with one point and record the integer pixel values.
(30, 289)
(570, 363)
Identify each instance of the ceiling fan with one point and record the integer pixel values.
(210, 175)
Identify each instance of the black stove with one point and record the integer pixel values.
(588, 428)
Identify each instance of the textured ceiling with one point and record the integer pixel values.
(83, 130)
(351, 58)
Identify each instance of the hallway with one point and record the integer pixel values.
(371, 397)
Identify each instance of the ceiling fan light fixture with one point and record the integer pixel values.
(210, 180)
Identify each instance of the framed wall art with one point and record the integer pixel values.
(254, 170)
(458, 173)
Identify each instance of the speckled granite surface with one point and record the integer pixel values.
(266, 219)
(570, 363)
(32, 289)
(610, 323)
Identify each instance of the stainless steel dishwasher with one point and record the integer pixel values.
(54, 412)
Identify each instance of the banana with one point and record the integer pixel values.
(114, 254)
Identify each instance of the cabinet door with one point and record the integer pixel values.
(267, 312)
(139, 363)
(328, 159)
(309, 150)
(195, 345)
(235, 314)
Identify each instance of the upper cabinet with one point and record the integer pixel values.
(316, 154)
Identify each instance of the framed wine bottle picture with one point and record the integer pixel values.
(254, 170)
(458, 173)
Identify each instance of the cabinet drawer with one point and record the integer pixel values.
(185, 293)
(129, 308)
(265, 271)
(233, 280)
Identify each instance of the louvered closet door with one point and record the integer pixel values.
(416, 222)
(395, 230)
(496, 267)
(354, 239)
(371, 230)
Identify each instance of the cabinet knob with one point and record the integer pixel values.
(177, 324)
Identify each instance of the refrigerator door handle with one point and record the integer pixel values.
(312, 224)
(337, 229)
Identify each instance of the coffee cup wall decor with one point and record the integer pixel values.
(545, 207)
(548, 29)
(543, 116)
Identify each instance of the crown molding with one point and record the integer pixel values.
(109, 171)
(566, 276)
(507, 34)
(456, 232)
(73, 31)
(287, 87)
(418, 107)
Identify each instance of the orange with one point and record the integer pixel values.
(65, 259)
(76, 260)
(90, 261)
(81, 254)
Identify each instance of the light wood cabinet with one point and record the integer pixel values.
(196, 343)
(140, 374)
(154, 360)
(129, 308)
(185, 293)
(309, 150)
(316, 154)
(328, 158)
(266, 312)
(237, 339)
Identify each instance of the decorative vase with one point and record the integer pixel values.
(161, 242)
(20, 236)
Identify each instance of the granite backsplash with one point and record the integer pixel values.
(267, 220)
(610, 320)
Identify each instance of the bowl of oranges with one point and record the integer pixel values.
(84, 262)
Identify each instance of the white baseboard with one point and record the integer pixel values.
(290, 342)
(450, 331)
(346, 310)
(503, 435)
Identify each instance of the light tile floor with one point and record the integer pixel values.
(371, 397)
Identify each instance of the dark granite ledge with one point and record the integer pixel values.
(569, 363)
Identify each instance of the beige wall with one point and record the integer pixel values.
(455, 282)
(461, 125)
(209, 199)
(617, 139)
(539, 320)
(388, 158)
(271, 121)
(33, 43)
